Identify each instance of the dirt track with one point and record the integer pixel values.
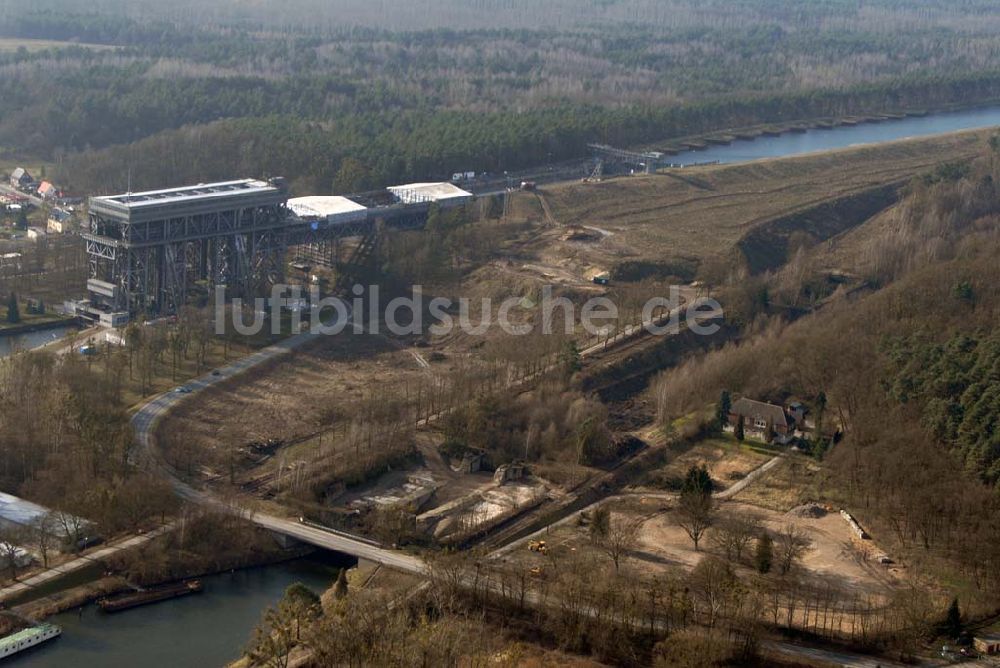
(306, 393)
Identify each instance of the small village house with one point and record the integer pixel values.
(47, 191)
(20, 178)
(10, 260)
(10, 553)
(761, 421)
(59, 221)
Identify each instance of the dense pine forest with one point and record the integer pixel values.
(348, 95)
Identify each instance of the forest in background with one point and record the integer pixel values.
(325, 15)
(346, 96)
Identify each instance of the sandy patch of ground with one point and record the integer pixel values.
(726, 461)
(482, 508)
(832, 556)
(705, 211)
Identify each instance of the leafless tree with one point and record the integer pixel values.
(790, 546)
(621, 536)
(10, 538)
(43, 532)
(714, 586)
(734, 533)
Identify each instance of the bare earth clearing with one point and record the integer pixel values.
(295, 399)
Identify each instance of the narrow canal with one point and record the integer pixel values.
(844, 136)
(17, 342)
(207, 629)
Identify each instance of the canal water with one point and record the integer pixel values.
(207, 629)
(844, 136)
(17, 342)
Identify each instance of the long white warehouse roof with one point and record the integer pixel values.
(318, 206)
(429, 192)
(16, 510)
(202, 191)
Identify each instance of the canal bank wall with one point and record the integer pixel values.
(28, 328)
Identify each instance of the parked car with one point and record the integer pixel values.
(88, 541)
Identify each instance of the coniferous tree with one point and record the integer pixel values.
(764, 554)
(953, 620)
(697, 481)
(570, 358)
(725, 404)
(13, 314)
(600, 521)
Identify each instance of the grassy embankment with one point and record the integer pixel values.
(684, 217)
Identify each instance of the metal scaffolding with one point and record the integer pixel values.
(150, 252)
(648, 161)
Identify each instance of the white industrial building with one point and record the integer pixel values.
(334, 210)
(444, 194)
(18, 513)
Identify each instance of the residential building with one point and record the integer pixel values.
(761, 421)
(10, 260)
(15, 555)
(20, 178)
(47, 191)
(59, 221)
(796, 412)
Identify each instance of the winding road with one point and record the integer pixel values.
(146, 419)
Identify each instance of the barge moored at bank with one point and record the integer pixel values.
(153, 595)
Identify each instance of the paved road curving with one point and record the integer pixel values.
(144, 423)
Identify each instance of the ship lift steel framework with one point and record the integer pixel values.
(648, 161)
(150, 252)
